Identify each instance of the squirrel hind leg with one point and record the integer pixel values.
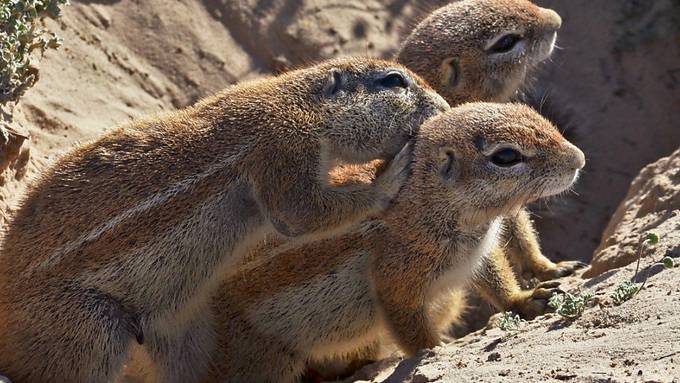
(184, 354)
(244, 354)
(65, 334)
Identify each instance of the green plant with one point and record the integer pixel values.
(568, 305)
(510, 321)
(668, 262)
(650, 239)
(20, 37)
(624, 292)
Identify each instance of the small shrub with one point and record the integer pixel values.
(510, 321)
(20, 37)
(624, 292)
(570, 306)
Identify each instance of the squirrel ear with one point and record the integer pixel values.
(448, 166)
(450, 72)
(333, 83)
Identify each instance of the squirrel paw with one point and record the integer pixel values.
(560, 269)
(391, 179)
(534, 302)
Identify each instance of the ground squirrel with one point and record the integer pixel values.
(483, 50)
(480, 50)
(473, 50)
(124, 238)
(395, 273)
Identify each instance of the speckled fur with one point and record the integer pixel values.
(123, 239)
(394, 274)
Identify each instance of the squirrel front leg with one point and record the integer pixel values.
(355, 174)
(496, 283)
(402, 302)
(411, 328)
(525, 250)
(298, 201)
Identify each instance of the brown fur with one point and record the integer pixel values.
(124, 238)
(338, 297)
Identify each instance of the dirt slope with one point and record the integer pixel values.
(652, 204)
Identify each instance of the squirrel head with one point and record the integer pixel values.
(369, 108)
(480, 50)
(483, 160)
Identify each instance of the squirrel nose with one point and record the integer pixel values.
(578, 158)
(553, 20)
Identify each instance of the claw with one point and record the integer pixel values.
(541, 293)
(571, 266)
(534, 302)
(562, 269)
(548, 284)
(580, 265)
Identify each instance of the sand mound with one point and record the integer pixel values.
(636, 341)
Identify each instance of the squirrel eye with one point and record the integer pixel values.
(393, 80)
(505, 43)
(506, 157)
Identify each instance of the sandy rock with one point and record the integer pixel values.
(652, 204)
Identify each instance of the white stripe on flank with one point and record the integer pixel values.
(147, 204)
